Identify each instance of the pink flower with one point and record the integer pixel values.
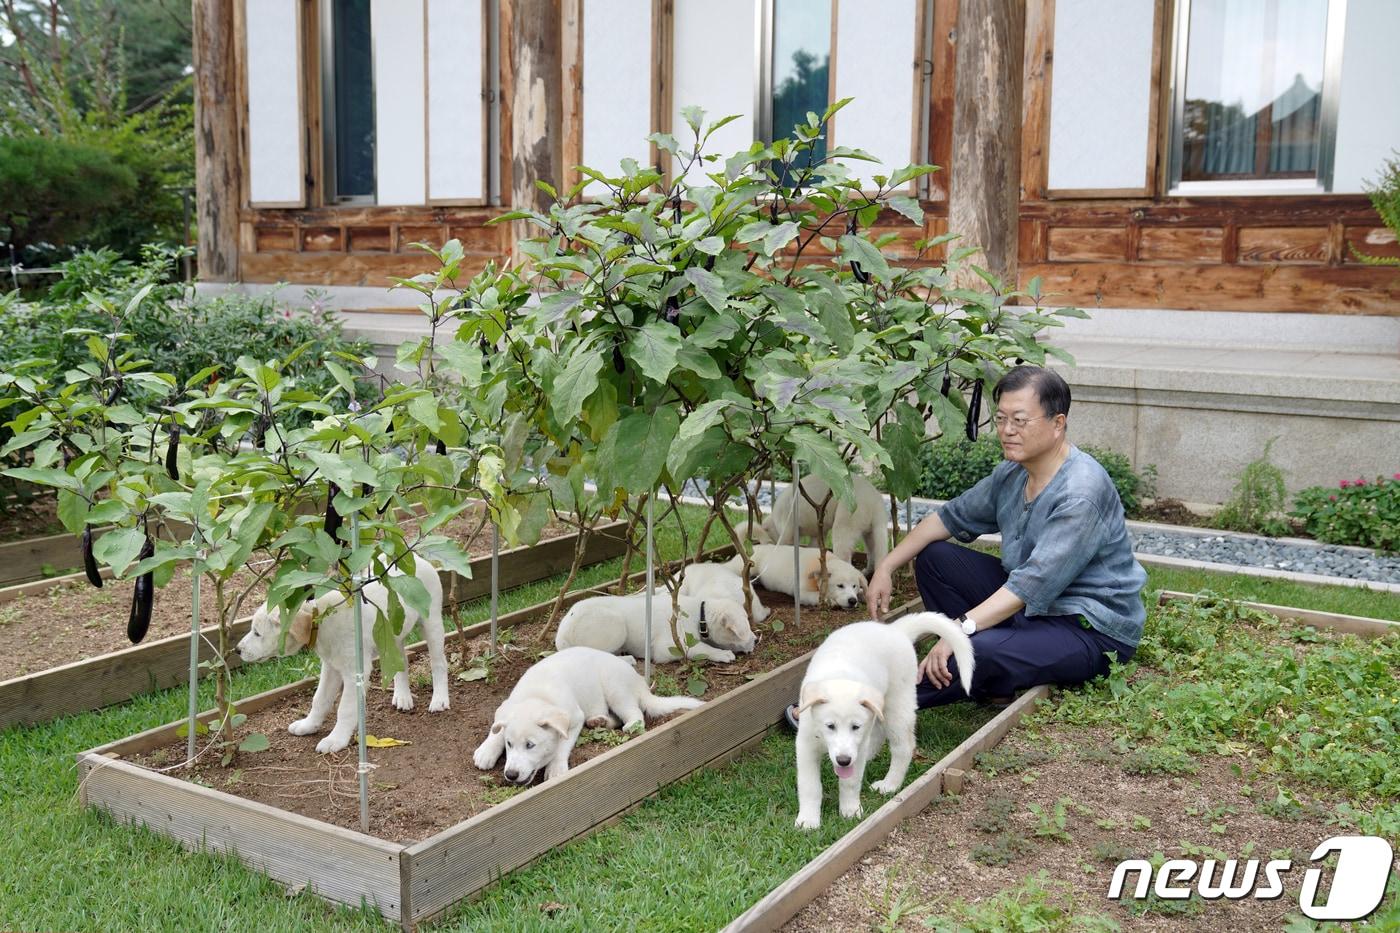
(1332, 498)
(1360, 481)
(1344, 484)
(1397, 476)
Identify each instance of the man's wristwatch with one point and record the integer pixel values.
(969, 626)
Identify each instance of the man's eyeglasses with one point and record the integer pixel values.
(1019, 423)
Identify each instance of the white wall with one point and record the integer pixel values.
(276, 124)
(1368, 114)
(616, 83)
(713, 69)
(456, 111)
(875, 48)
(400, 138)
(1100, 93)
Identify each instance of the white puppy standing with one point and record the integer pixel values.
(862, 679)
(618, 624)
(867, 522)
(540, 721)
(333, 621)
(719, 581)
(772, 567)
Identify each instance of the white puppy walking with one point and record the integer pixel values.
(719, 581)
(333, 623)
(718, 628)
(868, 521)
(772, 567)
(540, 721)
(860, 680)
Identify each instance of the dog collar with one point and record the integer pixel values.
(704, 628)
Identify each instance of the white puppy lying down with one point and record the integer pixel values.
(540, 721)
(772, 567)
(718, 581)
(860, 679)
(334, 622)
(868, 521)
(618, 624)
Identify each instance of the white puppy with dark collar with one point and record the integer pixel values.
(859, 687)
(713, 629)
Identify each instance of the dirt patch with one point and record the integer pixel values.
(73, 621)
(1093, 814)
(33, 519)
(422, 788)
(1171, 512)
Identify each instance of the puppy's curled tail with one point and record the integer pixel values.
(654, 705)
(921, 624)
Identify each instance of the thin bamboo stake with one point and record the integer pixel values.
(796, 546)
(360, 681)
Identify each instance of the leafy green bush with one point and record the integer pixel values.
(53, 191)
(951, 467)
(1385, 198)
(1356, 513)
(1256, 505)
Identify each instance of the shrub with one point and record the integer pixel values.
(949, 468)
(1256, 505)
(52, 191)
(1385, 198)
(1356, 513)
(1132, 487)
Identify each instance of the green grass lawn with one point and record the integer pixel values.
(693, 857)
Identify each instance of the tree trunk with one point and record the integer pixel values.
(986, 175)
(216, 139)
(537, 104)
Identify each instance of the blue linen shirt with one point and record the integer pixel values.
(1066, 552)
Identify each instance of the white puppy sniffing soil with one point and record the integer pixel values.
(333, 621)
(539, 723)
(858, 689)
(772, 568)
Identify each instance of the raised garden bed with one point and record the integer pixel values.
(415, 866)
(70, 636)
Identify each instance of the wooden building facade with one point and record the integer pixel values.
(1156, 154)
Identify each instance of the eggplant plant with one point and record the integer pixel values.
(739, 313)
(260, 486)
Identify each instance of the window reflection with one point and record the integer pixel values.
(801, 65)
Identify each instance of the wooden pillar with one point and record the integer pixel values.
(216, 148)
(537, 102)
(985, 185)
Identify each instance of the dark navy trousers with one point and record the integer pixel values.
(1016, 654)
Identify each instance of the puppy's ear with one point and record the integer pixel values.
(299, 634)
(875, 706)
(558, 721)
(496, 727)
(810, 698)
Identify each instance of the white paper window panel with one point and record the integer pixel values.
(1100, 93)
(617, 83)
(275, 121)
(456, 170)
(1368, 111)
(876, 44)
(713, 68)
(396, 36)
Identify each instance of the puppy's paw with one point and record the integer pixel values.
(403, 701)
(809, 821)
(852, 811)
(885, 787)
(485, 759)
(332, 743)
(603, 722)
(722, 656)
(551, 772)
(439, 704)
(304, 726)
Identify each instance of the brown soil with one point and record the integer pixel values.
(926, 865)
(419, 789)
(73, 621)
(32, 520)
(1171, 512)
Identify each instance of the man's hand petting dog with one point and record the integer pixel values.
(935, 664)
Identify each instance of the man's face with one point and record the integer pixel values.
(1023, 429)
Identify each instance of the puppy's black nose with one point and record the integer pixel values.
(512, 776)
(843, 760)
